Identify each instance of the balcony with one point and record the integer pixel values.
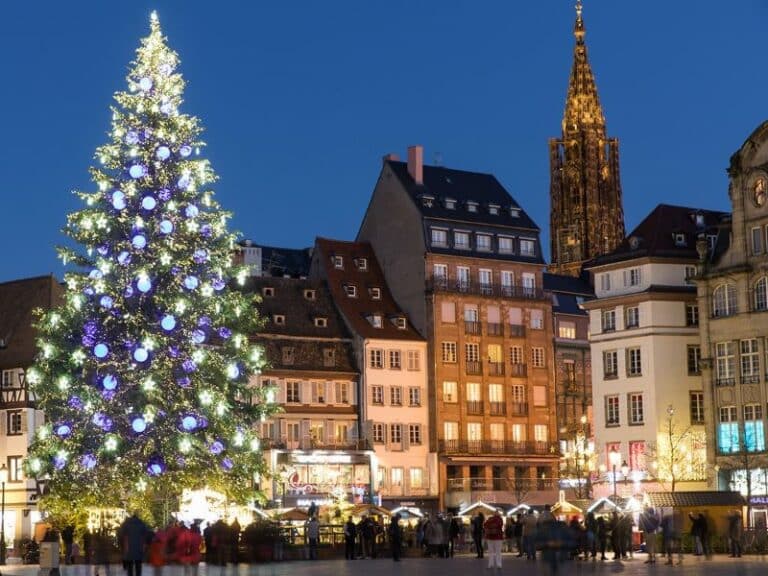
(472, 327)
(497, 447)
(518, 409)
(498, 408)
(519, 370)
(750, 379)
(523, 485)
(284, 443)
(475, 407)
(496, 368)
(725, 381)
(517, 331)
(495, 329)
(441, 284)
(474, 368)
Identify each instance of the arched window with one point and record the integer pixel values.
(761, 294)
(724, 300)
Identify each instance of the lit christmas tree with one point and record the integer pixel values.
(143, 373)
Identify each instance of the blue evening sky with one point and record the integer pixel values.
(301, 99)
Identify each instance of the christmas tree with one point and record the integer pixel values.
(143, 373)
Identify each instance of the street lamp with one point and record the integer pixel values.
(614, 457)
(3, 480)
(625, 471)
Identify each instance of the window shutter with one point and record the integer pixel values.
(406, 436)
(515, 316)
(4, 423)
(330, 433)
(386, 435)
(330, 393)
(281, 391)
(282, 429)
(448, 312)
(493, 314)
(24, 421)
(353, 393)
(306, 392)
(305, 434)
(626, 277)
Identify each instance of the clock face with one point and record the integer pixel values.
(759, 191)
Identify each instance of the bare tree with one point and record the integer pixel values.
(678, 453)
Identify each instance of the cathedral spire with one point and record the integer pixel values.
(586, 214)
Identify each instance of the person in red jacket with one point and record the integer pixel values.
(157, 551)
(494, 536)
(188, 549)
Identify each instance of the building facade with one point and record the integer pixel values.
(20, 417)
(391, 358)
(646, 369)
(586, 214)
(314, 447)
(732, 288)
(464, 261)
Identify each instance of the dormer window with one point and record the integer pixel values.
(493, 209)
(711, 241)
(338, 262)
(680, 239)
(321, 322)
(351, 290)
(310, 294)
(375, 320)
(427, 201)
(375, 293)
(450, 204)
(700, 220)
(471, 206)
(514, 212)
(483, 242)
(279, 319)
(267, 291)
(400, 322)
(362, 264)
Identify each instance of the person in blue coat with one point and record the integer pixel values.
(133, 536)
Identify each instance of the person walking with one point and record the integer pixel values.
(493, 530)
(518, 535)
(395, 537)
(350, 534)
(133, 535)
(696, 532)
(188, 544)
(477, 533)
(313, 536)
(590, 525)
(530, 535)
(68, 537)
(602, 537)
(453, 534)
(649, 524)
(734, 534)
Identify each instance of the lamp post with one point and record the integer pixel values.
(3, 480)
(614, 457)
(625, 472)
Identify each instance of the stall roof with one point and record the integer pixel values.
(406, 511)
(694, 499)
(479, 504)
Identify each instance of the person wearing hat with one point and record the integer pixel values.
(494, 536)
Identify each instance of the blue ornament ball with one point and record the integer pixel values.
(139, 241)
(101, 350)
(140, 354)
(163, 153)
(191, 211)
(168, 322)
(166, 227)
(106, 302)
(124, 258)
(143, 283)
(185, 150)
(198, 336)
(139, 425)
(145, 84)
(148, 202)
(132, 137)
(118, 200)
(88, 461)
(109, 382)
(137, 171)
(191, 282)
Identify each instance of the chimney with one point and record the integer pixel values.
(416, 163)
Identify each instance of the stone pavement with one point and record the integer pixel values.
(721, 565)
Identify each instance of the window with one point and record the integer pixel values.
(485, 277)
(448, 312)
(637, 455)
(725, 363)
(754, 433)
(329, 357)
(267, 292)
(14, 423)
(471, 206)
(376, 358)
(338, 261)
(566, 330)
(632, 317)
(610, 364)
(514, 211)
(516, 355)
(350, 290)
(377, 395)
(414, 396)
(375, 293)
(537, 319)
(761, 294)
(450, 392)
(483, 243)
(537, 357)
(496, 393)
(474, 431)
(680, 239)
(439, 237)
(394, 360)
(278, 319)
(293, 392)
(728, 430)
(757, 241)
(449, 352)
(310, 294)
(414, 433)
(634, 362)
(462, 278)
(632, 277)
(609, 320)
(288, 355)
(318, 392)
(342, 392)
(7, 378)
(541, 433)
(527, 247)
(496, 430)
(450, 204)
(505, 245)
(529, 284)
(694, 360)
(396, 476)
(750, 364)
(413, 360)
(697, 407)
(321, 322)
(396, 396)
(461, 240)
(15, 468)
(493, 209)
(451, 430)
(691, 315)
(362, 264)
(518, 432)
(605, 282)
(395, 433)
(416, 478)
(635, 402)
(379, 433)
(690, 274)
(472, 352)
(612, 410)
(724, 300)
(440, 274)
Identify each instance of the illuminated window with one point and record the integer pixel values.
(449, 352)
(394, 360)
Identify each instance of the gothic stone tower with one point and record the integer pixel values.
(586, 215)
